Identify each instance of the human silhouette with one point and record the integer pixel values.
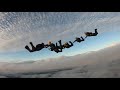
(77, 39)
(37, 48)
(54, 47)
(88, 34)
(51, 45)
(67, 45)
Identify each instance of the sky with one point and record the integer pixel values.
(17, 29)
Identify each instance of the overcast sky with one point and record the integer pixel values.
(17, 29)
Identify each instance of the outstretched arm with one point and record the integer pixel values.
(71, 43)
(85, 37)
(74, 41)
(82, 38)
(96, 31)
(46, 46)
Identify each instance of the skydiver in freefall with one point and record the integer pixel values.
(37, 48)
(88, 34)
(54, 47)
(67, 45)
(77, 39)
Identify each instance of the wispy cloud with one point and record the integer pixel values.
(18, 28)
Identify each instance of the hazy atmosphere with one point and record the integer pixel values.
(97, 56)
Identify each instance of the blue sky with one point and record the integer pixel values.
(91, 44)
(17, 29)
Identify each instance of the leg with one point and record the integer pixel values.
(60, 42)
(56, 45)
(33, 47)
(56, 50)
(61, 47)
(26, 47)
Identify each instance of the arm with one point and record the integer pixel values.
(71, 43)
(96, 31)
(74, 41)
(46, 46)
(82, 38)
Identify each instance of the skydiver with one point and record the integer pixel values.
(54, 47)
(91, 34)
(67, 45)
(79, 39)
(57, 48)
(37, 48)
(51, 45)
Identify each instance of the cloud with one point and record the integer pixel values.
(17, 29)
(102, 56)
(113, 44)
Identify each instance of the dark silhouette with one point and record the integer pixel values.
(37, 48)
(51, 45)
(26, 47)
(60, 47)
(57, 48)
(91, 34)
(54, 47)
(67, 45)
(79, 39)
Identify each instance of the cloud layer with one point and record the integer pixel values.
(105, 55)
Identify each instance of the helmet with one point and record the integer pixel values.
(66, 44)
(49, 42)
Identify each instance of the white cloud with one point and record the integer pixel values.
(102, 56)
(18, 29)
